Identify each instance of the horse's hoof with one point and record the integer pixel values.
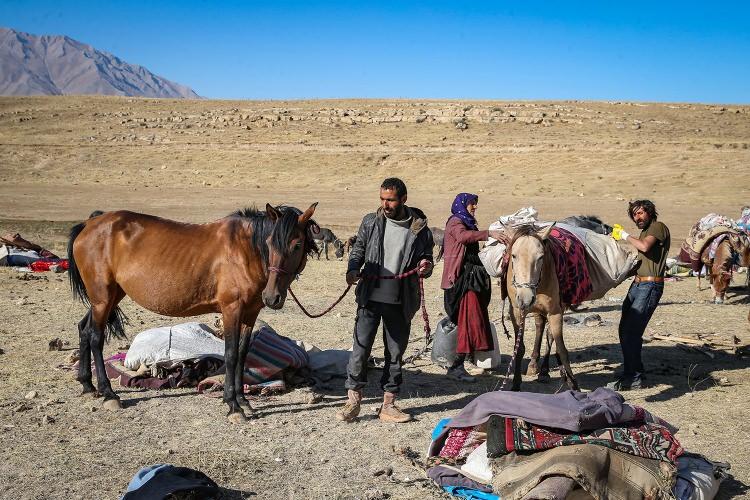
(237, 418)
(543, 378)
(112, 404)
(532, 369)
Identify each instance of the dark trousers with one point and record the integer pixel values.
(395, 337)
(637, 309)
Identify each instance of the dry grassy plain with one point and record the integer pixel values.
(60, 158)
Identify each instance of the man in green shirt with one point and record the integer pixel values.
(644, 294)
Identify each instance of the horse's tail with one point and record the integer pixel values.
(76, 283)
(117, 319)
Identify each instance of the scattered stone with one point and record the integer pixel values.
(74, 356)
(314, 398)
(2, 351)
(56, 344)
(22, 407)
(8, 427)
(31, 395)
(723, 381)
(47, 420)
(461, 124)
(593, 320)
(571, 320)
(22, 301)
(278, 459)
(375, 494)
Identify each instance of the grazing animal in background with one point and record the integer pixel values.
(234, 266)
(325, 237)
(438, 235)
(533, 288)
(733, 249)
(591, 222)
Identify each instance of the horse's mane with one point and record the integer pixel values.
(280, 233)
(593, 218)
(523, 230)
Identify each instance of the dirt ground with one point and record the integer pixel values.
(61, 158)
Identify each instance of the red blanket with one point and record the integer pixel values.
(570, 266)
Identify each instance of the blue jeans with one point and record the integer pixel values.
(637, 310)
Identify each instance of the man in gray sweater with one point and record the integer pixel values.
(391, 241)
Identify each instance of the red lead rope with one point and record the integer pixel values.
(425, 317)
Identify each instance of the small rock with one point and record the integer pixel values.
(170, 451)
(56, 344)
(22, 301)
(593, 320)
(375, 494)
(47, 419)
(1, 351)
(278, 459)
(93, 409)
(22, 407)
(570, 320)
(723, 381)
(74, 356)
(314, 398)
(31, 395)
(8, 427)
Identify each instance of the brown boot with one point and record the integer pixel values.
(389, 412)
(350, 410)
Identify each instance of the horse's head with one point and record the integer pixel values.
(527, 257)
(289, 245)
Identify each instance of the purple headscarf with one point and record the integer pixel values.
(458, 209)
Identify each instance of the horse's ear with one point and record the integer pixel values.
(272, 213)
(546, 232)
(308, 214)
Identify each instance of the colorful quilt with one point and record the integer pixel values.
(648, 440)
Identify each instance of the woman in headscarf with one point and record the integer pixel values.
(466, 284)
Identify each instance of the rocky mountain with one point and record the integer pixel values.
(59, 65)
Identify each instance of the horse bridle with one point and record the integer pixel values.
(528, 284)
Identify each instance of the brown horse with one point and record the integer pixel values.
(233, 266)
(733, 250)
(533, 287)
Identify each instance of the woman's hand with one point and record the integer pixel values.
(498, 235)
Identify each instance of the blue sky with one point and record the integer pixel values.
(650, 51)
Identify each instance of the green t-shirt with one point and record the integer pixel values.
(654, 262)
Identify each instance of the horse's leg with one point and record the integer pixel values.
(232, 332)
(556, 327)
(84, 349)
(544, 371)
(325, 246)
(239, 382)
(100, 312)
(539, 322)
(518, 325)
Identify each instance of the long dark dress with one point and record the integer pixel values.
(466, 304)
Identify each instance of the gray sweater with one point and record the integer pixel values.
(394, 244)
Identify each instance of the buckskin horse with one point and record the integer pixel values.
(234, 266)
(532, 287)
